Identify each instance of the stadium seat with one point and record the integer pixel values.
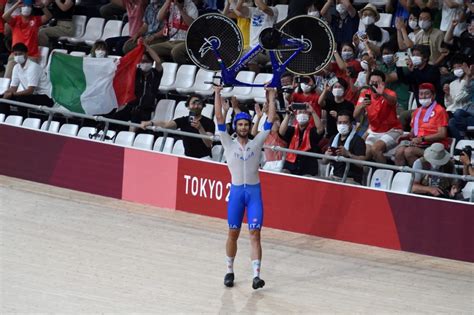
(109, 137)
(92, 33)
(14, 120)
(2, 118)
(125, 138)
(282, 11)
(184, 78)
(44, 53)
(32, 123)
(402, 182)
(384, 177)
(4, 85)
(242, 76)
(69, 129)
(164, 110)
(273, 166)
(79, 25)
(168, 146)
(126, 30)
(178, 148)
(217, 152)
(84, 132)
(169, 76)
(208, 111)
(461, 144)
(181, 110)
(199, 86)
(257, 93)
(77, 53)
(112, 28)
(385, 20)
(144, 141)
(53, 127)
(468, 191)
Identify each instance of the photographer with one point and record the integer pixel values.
(306, 93)
(194, 123)
(301, 137)
(348, 144)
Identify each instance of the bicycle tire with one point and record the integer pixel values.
(217, 27)
(316, 57)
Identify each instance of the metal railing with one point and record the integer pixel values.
(348, 161)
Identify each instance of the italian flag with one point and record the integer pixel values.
(94, 86)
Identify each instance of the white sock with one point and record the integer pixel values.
(230, 264)
(256, 268)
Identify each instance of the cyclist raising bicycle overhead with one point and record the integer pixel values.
(243, 159)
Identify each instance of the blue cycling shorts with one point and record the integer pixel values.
(241, 197)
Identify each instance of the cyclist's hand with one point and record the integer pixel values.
(217, 88)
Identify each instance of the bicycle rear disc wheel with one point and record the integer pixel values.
(214, 28)
(319, 40)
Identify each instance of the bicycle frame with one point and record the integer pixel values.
(229, 74)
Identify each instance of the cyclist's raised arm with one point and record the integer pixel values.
(218, 105)
(271, 98)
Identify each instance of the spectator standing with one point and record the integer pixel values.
(242, 22)
(405, 39)
(450, 10)
(306, 93)
(429, 36)
(62, 11)
(344, 21)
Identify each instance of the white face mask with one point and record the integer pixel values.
(425, 102)
(306, 88)
(314, 13)
(368, 20)
(346, 55)
(459, 29)
(343, 129)
(19, 59)
(341, 9)
(100, 53)
(416, 60)
(364, 65)
(26, 10)
(388, 59)
(424, 25)
(302, 118)
(337, 92)
(458, 73)
(413, 24)
(145, 66)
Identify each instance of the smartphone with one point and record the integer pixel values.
(361, 35)
(302, 80)
(367, 97)
(402, 58)
(191, 116)
(297, 106)
(333, 81)
(333, 150)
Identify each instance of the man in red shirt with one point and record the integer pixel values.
(429, 124)
(25, 30)
(380, 104)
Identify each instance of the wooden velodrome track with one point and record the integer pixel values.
(69, 252)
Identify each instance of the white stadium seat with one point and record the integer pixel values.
(112, 28)
(167, 147)
(126, 30)
(144, 141)
(4, 85)
(181, 110)
(125, 138)
(402, 182)
(384, 177)
(69, 129)
(178, 148)
(84, 132)
(32, 123)
(164, 110)
(242, 76)
(2, 118)
(44, 53)
(92, 33)
(14, 120)
(53, 126)
(385, 20)
(256, 93)
(208, 111)
(184, 77)
(79, 25)
(468, 191)
(199, 85)
(217, 152)
(169, 76)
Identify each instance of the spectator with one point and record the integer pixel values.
(62, 11)
(429, 125)
(147, 82)
(3, 48)
(388, 67)
(261, 17)
(450, 9)
(437, 159)
(400, 9)
(287, 89)
(177, 16)
(380, 104)
(135, 12)
(367, 64)
(298, 7)
(465, 158)
(151, 29)
(99, 50)
(31, 76)
(306, 93)
(346, 66)
(25, 30)
(335, 104)
(242, 22)
(194, 123)
(348, 144)
(302, 137)
(405, 39)
(456, 97)
(461, 38)
(464, 117)
(429, 36)
(344, 21)
(376, 37)
(114, 10)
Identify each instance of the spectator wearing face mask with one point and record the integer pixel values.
(147, 83)
(406, 39)
(3, 48)
(346, 66)
(25, 29)
(460, 35)
(457, 98)
(429, 36)
(348, 144)
(306, 93)
(367, 64)
(99, 50)
(450, 9)
(428, 125)
(332, 100)
(380, 104)
(388, 66)
(464, 117)
(302, 137)
(376, 37)
(344, 20)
